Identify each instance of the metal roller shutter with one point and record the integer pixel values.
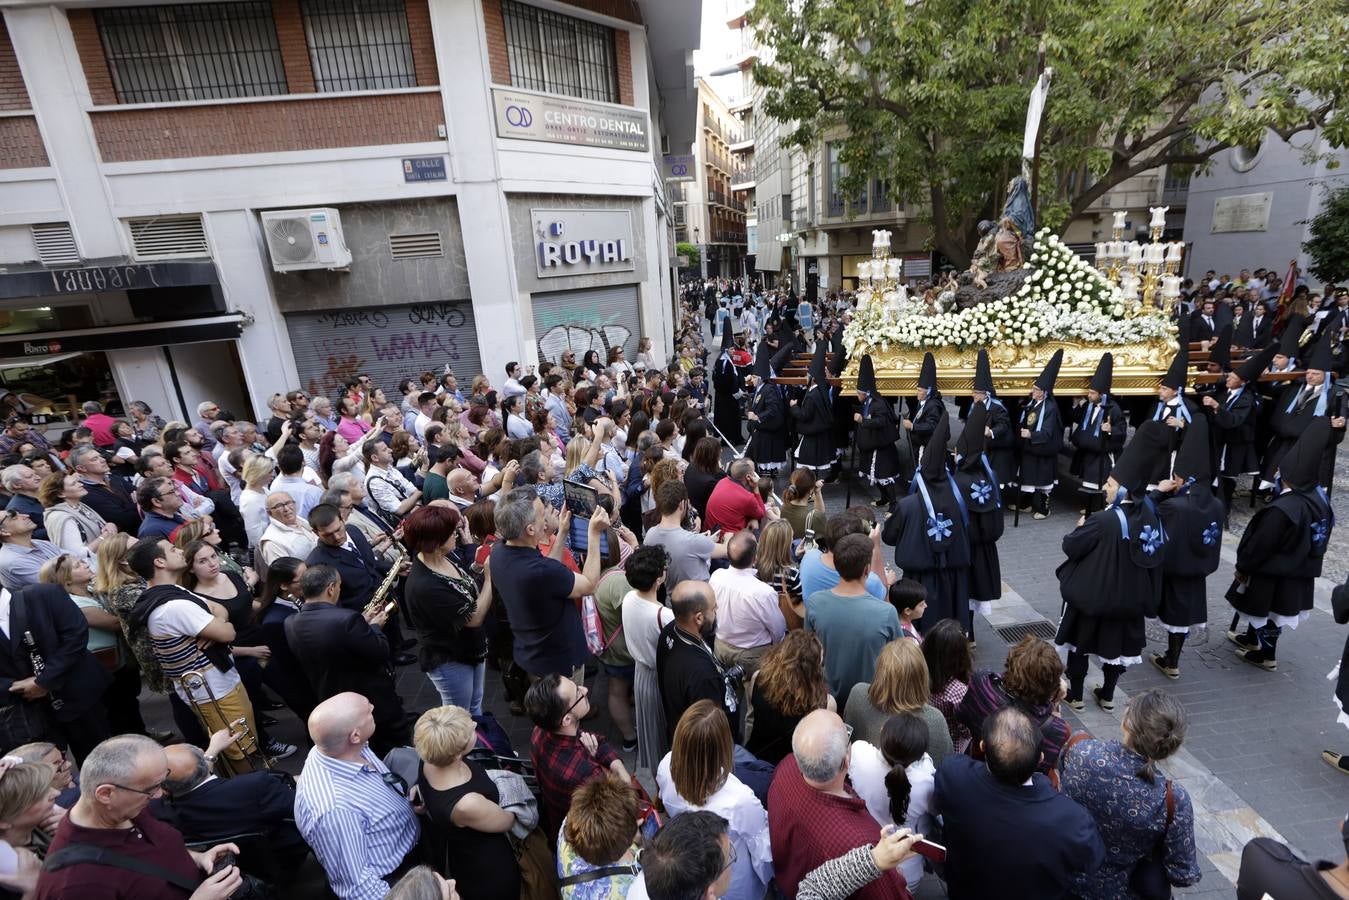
(591, 318)
(389, 342)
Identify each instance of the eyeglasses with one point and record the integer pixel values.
(730, 861)
(169, 494)
(395, 781)
(284, 505)
(581, 694)
(156, 789)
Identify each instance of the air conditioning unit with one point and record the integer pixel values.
(301, 239)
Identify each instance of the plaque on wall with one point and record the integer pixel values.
(1242, 212)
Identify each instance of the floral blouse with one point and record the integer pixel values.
(947, 700)
(1130, 811)
(120, 602)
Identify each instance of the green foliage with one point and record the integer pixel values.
(932, 95)
(689, 250)
(1329, 244)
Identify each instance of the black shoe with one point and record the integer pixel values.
(880, 503)
(1102, 702)
(404, 659)
(278, 750)
(630, 746)
(1239, 638)
(1161, 662)
(1256, 658)
(1337, 761)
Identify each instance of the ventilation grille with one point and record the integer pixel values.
(168, 237)
(1041, 629)
(416, 246)
(55, 244)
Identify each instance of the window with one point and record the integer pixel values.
(836, 173)
(208, 51)
(560, 54)
(358, 45)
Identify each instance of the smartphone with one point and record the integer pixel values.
(933, 851)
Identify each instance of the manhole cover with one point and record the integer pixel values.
(1041, 629)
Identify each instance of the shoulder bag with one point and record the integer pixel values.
(1148, 878)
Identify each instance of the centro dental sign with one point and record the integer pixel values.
(581, 241)
(567, 120)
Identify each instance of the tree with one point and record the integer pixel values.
(931, 95)
(689, 250)
(1329, 244)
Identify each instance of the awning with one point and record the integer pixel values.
(41, 347)
(20, 362)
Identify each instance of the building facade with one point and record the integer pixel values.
(1251, 209)
(713, 215)
(220, 200)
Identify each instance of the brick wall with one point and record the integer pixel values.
(13, 94)
(499, 59)
(90, 47)
(294, 49)
(623, 59)
(266, 127)
(21, 144)
(423, 43)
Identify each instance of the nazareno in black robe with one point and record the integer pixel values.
(1279, 557)
(1040, 452)
(1194, 540)
(1111, 581)
(768, 440)
(984, 502)
(1094, 449)
(933, 548)
(727, 380)
(815, 425)
(876, 436)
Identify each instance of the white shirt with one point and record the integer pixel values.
(388, 488)
(512, 388)
(868, 769)
(748, 614)
(280, 539)
(420, 424)
(305, 495)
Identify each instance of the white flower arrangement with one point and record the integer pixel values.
(1063, 298)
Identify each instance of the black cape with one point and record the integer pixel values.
(983, 500)
(1280, 556)
(768, 438)
(1194, 541)
(815, 424)
(935, 553)
(1094, 448)
(1040, 451)
(876, 436)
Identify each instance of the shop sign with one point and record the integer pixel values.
(678, 168)
(113, 337)
(568, 120)
(103, 279)
(582, 241)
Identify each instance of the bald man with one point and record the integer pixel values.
(814, 815)
(349, 807)
(686, 664)
(206, 808)
(749, 619)
(463, 488)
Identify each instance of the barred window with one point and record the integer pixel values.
(206, 51)
(560, 54)
(359, 45)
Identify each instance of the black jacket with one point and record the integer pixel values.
(339, 651)
(252, 803)
(61, 636)
(361, 573)
(114, 504)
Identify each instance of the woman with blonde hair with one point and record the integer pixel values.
(789, 685)
(900, 685)
(204, 530)
(72, 524)
(699, 774)
(257, 477)
(26, 798)
(775, 564)
(467, 826)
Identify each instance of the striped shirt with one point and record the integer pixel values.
(360, 827)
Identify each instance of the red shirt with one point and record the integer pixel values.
(731, 507)
(809, 827)
(149, 840)
(101, 425)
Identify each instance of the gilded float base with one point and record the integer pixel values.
(1139, 367)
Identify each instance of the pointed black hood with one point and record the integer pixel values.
(783, 357)
(1050, 373)
(970, 444)
(1289, 341)
(1105, 370)
(727, 339)
(1139, 457)
(1256, 364)
(1177, 375)
(818, 375)
(933, 464)
(866, 375)
(927, 375)
(983, 375)
(1319, 357)
(763, 361)
(1192, 459)
(1301, 465)
(1221, 351)
(839, 360)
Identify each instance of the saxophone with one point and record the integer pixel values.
(377, 598)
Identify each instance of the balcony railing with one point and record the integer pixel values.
(728, 237)
(727, 135)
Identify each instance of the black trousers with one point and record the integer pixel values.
(86, 732)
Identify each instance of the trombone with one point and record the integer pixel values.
(247, 741)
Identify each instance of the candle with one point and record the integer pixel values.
(1174, 251)
(1158, 216)
(1120, 215)
(1118, 250)
(1171, 286)
(1102, 253)
(893, 268)
(1155, 254)
(1135, 253)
